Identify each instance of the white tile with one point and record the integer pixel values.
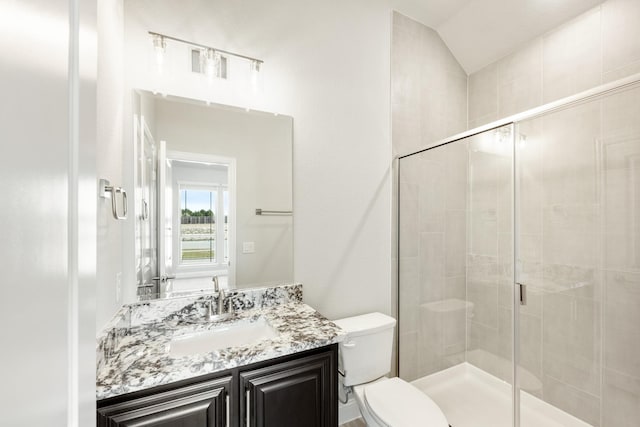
(430, 346)
(484, 296)
(408, 236)
(483, 96)
(571, 342)
(572, 57)
(621, 320)
(432, 266)
(455, 243)
(409, 356)
(520, 80)
(432, 195)
(621, 38)
(621, 400)
(620, 116)
(531, 350)
(456, 165)
(582, 405)
(569, 158)
(455, 288)
(409, 293)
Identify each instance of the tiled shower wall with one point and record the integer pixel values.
(576, 238)
(429, 102)
(599, 46)
(428, 87)
(579, 331)
(432, 264)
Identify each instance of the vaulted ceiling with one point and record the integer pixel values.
(479, 32)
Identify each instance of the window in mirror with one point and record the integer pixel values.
(204, 222)
(197, 240)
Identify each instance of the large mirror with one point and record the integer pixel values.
(213, 196)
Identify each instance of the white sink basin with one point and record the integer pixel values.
(236, 334)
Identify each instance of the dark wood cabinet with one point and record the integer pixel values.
(290, 394)
(295, 390)
(205, 404)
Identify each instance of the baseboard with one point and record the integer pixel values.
(348, 411)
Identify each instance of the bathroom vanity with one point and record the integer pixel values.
(164, 363)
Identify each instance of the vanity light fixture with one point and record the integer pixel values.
(214, 58)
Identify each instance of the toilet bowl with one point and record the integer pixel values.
(393, 402)
(364, 360)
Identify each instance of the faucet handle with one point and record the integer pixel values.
(210, 308)
(230, 308)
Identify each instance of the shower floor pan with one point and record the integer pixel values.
(470, 397)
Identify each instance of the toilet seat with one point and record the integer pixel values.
(396, 403)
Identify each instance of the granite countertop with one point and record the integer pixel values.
(141, 359)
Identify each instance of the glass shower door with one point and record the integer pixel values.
(490, 280)
(519, 270)
(578, 253)
(432, 261)
(456, 278)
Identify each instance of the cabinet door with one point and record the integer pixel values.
(296, 393)
(204, 404)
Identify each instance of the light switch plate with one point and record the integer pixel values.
(248, 247)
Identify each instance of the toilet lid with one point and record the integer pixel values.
(397, 403)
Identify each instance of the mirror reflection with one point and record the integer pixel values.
(213, 196)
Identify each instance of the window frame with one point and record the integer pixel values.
(218, 209)
(199, 270)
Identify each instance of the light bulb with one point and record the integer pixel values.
(255, 74)
(212, 63)
(159, 45)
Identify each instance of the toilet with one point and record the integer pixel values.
(364, 360)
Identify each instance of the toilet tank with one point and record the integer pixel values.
(365, 353)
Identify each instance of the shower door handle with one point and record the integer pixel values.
(522, 288)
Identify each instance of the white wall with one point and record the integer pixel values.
(109, 149)
(262, 147)
(47, 184)
(327, 65)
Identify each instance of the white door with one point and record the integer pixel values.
(165, 221)
(145, 200)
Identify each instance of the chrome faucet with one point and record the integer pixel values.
(220, 294)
